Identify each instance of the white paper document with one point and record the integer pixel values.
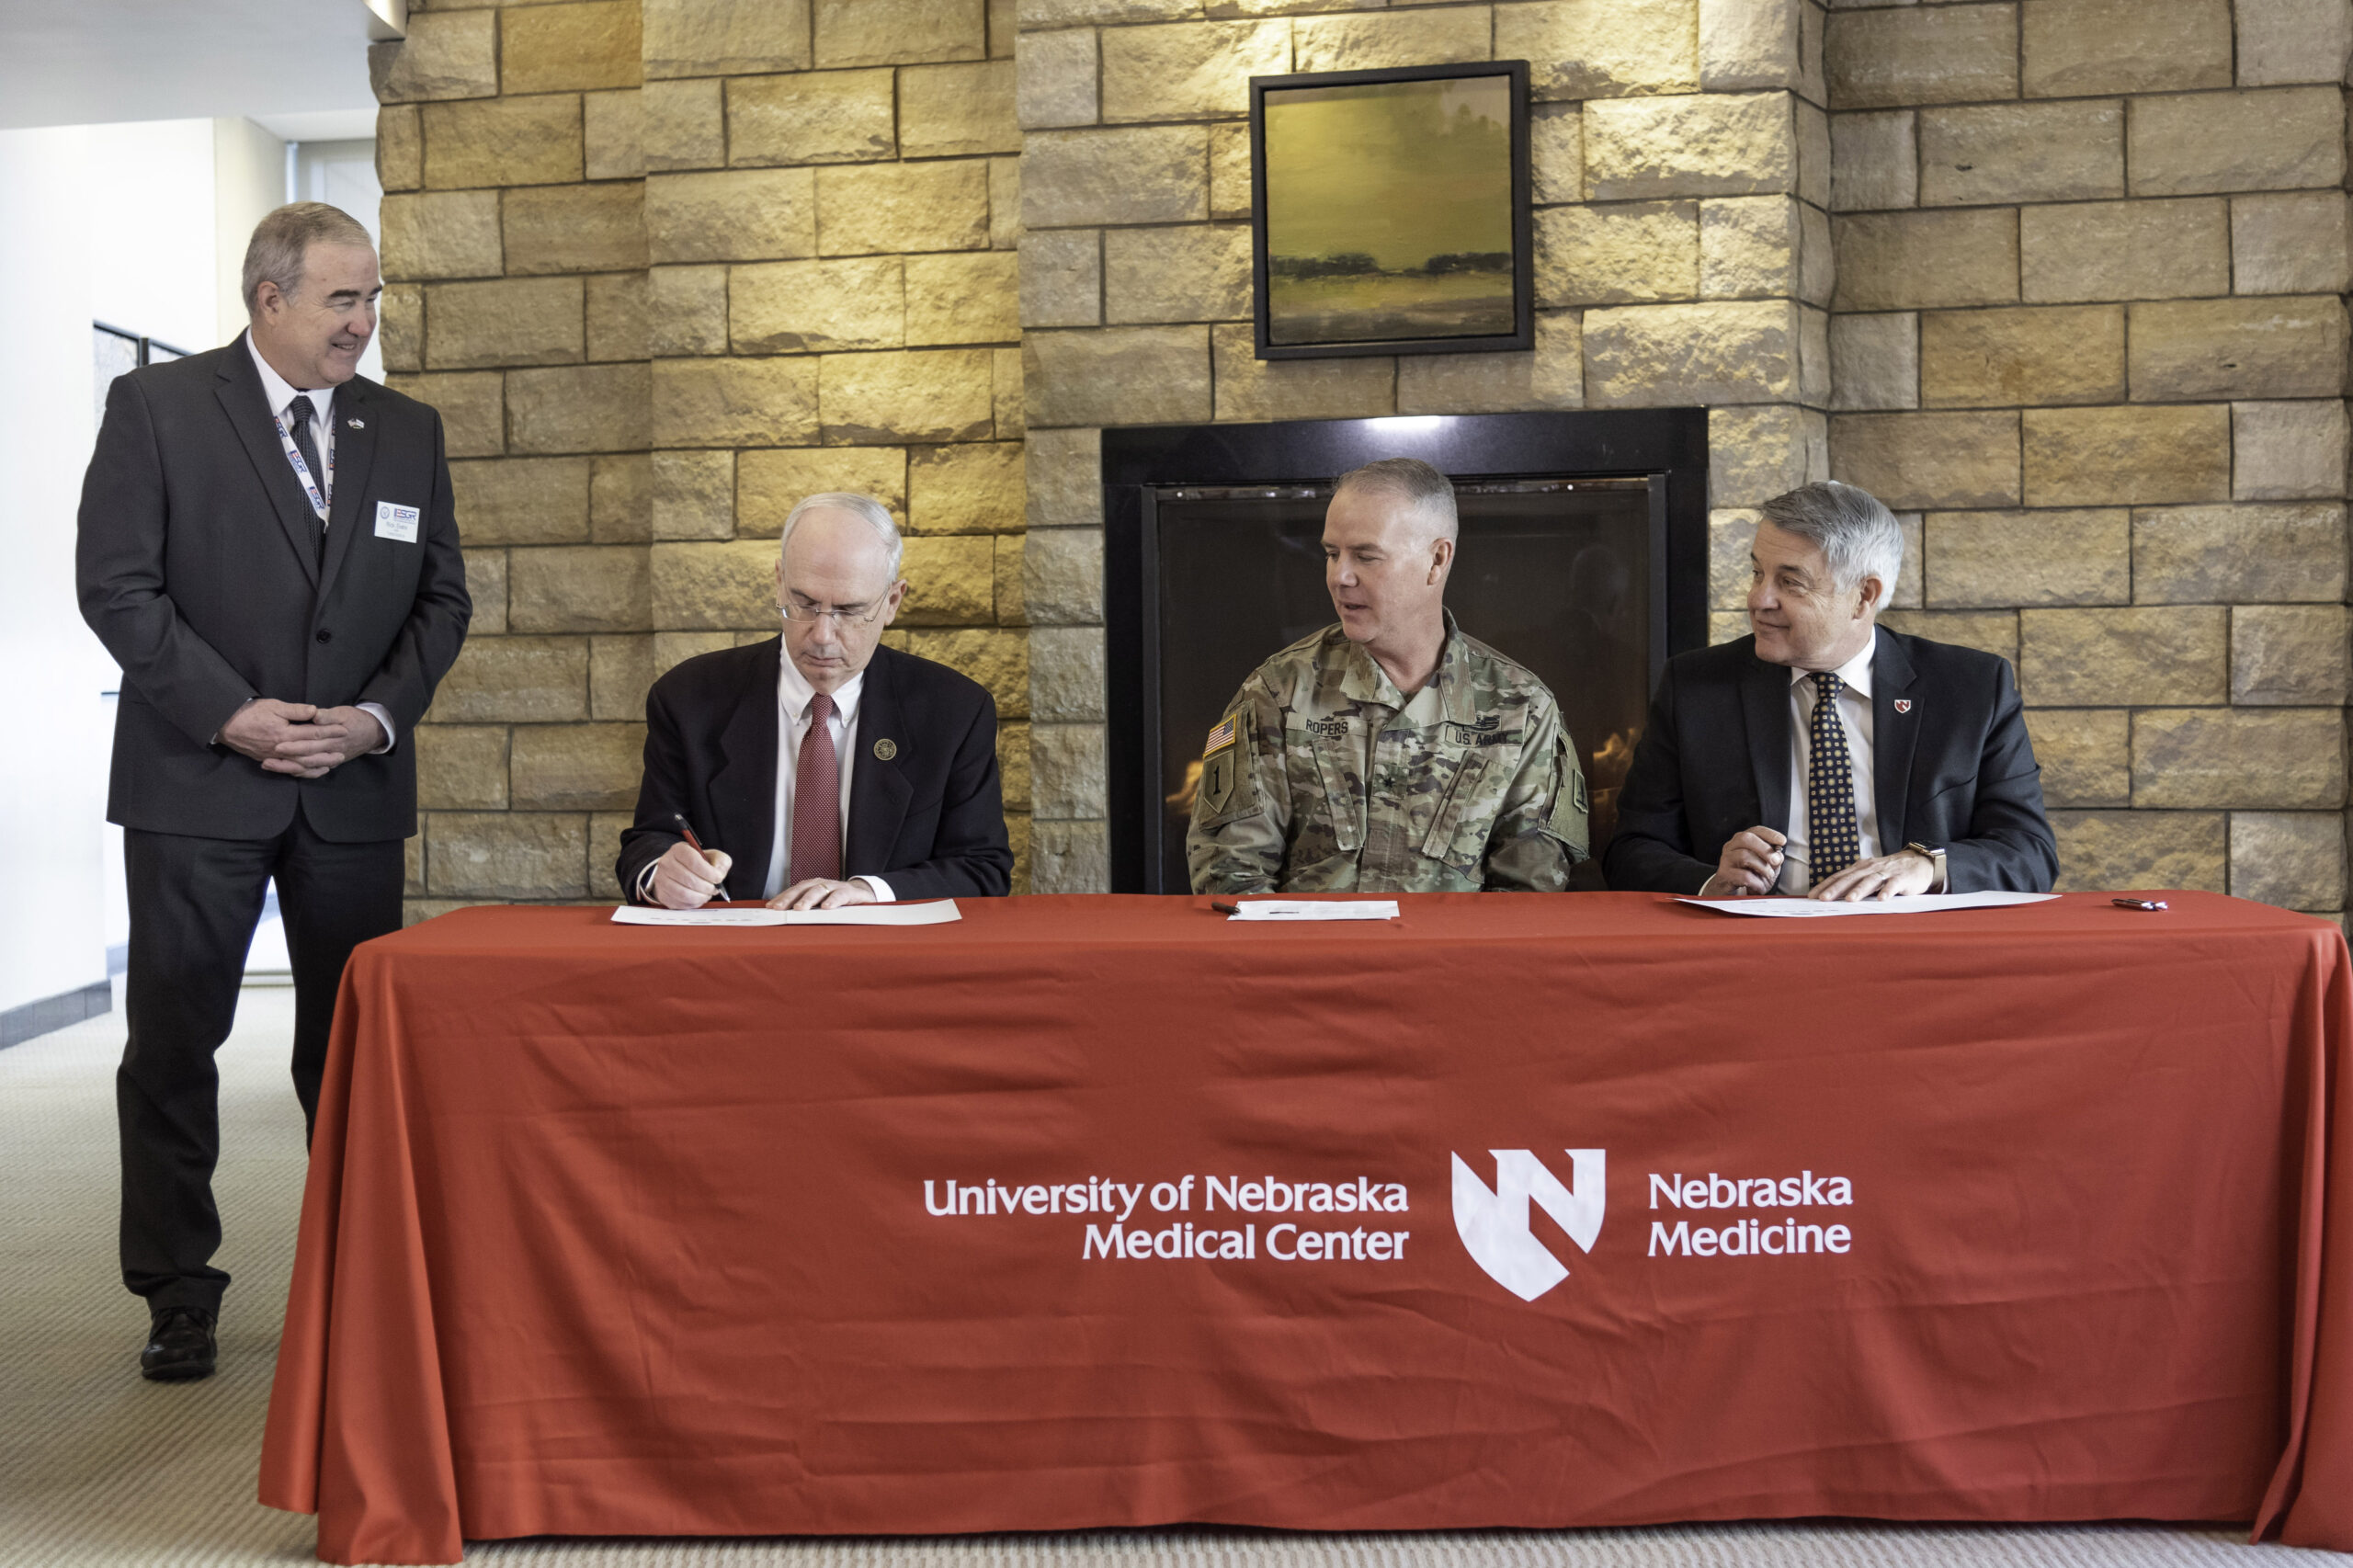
(1316, 909)
(1908, 903)
(936, 911)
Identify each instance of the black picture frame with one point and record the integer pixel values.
(1523, 283)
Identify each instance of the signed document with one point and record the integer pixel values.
(1315, 909)
(1908, 903)
(937, 912)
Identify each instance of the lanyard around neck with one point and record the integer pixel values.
(313, 488)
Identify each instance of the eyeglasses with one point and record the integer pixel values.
(844, 615)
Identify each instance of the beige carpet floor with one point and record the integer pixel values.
(98, 1466)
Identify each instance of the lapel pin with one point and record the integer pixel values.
(1903, 705)
(356, 424)
(884, 750)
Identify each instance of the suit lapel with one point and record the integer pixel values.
(1893, 737)
(355, 454)
(1764, 706)
(243, 400)
(879, 792)
(743, 787)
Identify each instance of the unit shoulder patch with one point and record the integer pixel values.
(1218, 771)
(1570, 818)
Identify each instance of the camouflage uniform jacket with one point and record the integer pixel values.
(1323, 778)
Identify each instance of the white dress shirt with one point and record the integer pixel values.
(1855, 718)
(793, 694)
(281, 392)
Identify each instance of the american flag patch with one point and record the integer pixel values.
(1221, 736)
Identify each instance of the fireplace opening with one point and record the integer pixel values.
(1584, 560)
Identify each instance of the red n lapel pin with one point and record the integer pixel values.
(1903, 705)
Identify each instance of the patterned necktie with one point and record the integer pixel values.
(1831, 837)
(817, 799)
(299, 414)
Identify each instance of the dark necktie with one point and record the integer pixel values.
(817, 799)
(299, 414)
(1832, 838)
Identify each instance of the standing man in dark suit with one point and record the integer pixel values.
(1827, 757)
(269, 550)
(818, 768)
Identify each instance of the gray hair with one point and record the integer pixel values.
(282, 242)
(1858, 535)
(866, 506)
(1410, 480)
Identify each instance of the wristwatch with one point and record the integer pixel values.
(1937, 860)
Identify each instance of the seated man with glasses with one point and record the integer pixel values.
(819, 769)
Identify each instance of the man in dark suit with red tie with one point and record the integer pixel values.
(819, 769)
(269, 550)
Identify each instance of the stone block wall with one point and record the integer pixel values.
(1682, 256)
(2061, 279)
(666, 268)
(2088, 324)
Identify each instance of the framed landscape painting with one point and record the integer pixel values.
(1390, 211)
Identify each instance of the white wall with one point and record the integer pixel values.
(150, 212)
(53, 763)
(248, 180)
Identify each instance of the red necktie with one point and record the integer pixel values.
(817, 799)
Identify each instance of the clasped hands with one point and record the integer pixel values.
(299, 739)
(685, 878)
(1751, 863)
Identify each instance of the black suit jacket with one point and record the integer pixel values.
(930, 818)
(197, 568)
(1953, 769)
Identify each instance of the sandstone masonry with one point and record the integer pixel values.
(2116, 235)
(666, 267)
(1683, 254)
(2061, 279)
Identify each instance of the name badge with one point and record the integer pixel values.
(396, 522)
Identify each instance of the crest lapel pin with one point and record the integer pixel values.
(884, 750)
(1903, 705)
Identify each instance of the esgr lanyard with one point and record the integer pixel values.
(319, 498)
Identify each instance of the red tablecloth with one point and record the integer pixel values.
(636, 1232)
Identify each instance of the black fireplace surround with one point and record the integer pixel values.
(1584, 555)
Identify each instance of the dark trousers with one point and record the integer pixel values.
(194, 904)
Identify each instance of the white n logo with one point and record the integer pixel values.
(1494, 1225)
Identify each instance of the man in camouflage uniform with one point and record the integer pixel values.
(1389, 753)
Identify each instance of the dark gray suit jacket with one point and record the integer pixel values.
(929, 819)
(197, 570)
(1953, 769)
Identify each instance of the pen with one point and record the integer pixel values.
(686, 828)
(2138, 903)
(1222, 907)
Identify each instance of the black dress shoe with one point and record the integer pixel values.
(179, 1346)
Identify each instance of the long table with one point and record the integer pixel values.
(1520, 1210)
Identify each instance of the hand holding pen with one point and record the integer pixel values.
(689, 876)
